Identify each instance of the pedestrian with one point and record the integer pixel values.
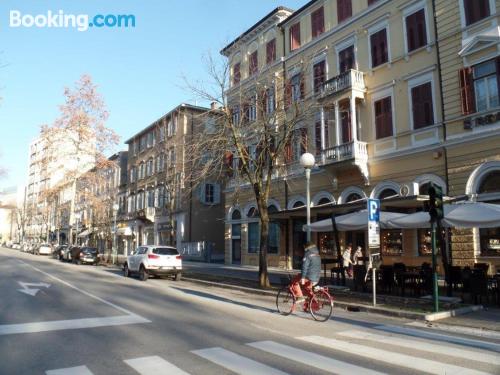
(347, 262)
(357, 258)
(311, 269)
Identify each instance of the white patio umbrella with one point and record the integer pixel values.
(460, 215)
(353, 221)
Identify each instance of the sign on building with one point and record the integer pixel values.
(374, 223)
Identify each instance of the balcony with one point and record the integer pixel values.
(348, 80)
(354, 151)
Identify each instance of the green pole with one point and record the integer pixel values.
(434, 272)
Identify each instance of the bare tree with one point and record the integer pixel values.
(259, 125)
(79, 138)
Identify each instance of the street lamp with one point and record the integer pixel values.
(115, 212)
(307, 160)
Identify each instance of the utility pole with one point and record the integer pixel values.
(436, 214)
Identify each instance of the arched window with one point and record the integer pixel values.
(386, 193)
(272, 209)
(323, 201)
(490, 183)
(253, 212)
(298, 204)
(424, 188)
(236, 215)
(353, 197)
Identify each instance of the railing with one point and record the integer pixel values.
(348, 151)
(350, 79)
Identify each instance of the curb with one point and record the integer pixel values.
(448, 314)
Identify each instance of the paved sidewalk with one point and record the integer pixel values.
(246, 277)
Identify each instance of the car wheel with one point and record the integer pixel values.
(177, 276)
(126, 272)
(143, 274)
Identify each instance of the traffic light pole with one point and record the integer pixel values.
(435, 292)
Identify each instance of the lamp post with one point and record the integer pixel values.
(307, 160)
(115, 212)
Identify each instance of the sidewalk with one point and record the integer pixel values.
(246, 278)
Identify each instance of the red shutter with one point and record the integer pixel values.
(271, 51)
(288, 94)
(228, 162)
(288, 153)
(252, 64)
(467, 91)
(416, 103)
(236, 73)
(374, 49)
(295, 36)
(303, 140)
(344, 10)
(302, 87)
(317, 22)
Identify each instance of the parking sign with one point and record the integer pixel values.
(374, 223)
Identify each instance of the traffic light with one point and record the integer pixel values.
(435, 202)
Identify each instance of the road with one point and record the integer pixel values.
(63, 319)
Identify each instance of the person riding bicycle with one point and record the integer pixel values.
(311, 268)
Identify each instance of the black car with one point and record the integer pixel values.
(86, 255)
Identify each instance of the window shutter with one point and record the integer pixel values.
(288, 94)
(271, 51)
(467, 91)
(288, 153)
(374, 48)
(216, 193)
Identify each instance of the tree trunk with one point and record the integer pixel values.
(264, 235)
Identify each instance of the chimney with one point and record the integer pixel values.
(213, 106)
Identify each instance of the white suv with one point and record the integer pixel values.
(154, 260)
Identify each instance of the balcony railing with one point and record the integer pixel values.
(350, 79)
(354, 150)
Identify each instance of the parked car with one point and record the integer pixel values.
(87, 255)
(67, 252)
(154, 260)
(58, 251)
(44, 249)
(16, 245)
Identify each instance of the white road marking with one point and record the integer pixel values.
(80, 370)
(58, 325)
(236, 362)
(412, 343)
(31, 292)
(472, 331)
(153, 366)
(390, 357)
(311, 359)
(441, 337)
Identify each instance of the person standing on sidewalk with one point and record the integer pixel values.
(346, 256)
(311, 269)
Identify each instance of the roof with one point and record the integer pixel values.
(182, 105)
(298, 11)
(262, 20)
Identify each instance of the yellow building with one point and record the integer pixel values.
(372, 70)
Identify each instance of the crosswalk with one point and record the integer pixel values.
(384, 349)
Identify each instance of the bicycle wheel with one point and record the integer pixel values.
(285, 301)
(321, 306)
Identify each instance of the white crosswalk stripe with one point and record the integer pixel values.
(311, 359)
(418, 344)
(391, 357)
(236, 362)
(153, 366)
(79, 370)
(441, 337)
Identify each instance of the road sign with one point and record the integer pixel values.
(374, 223)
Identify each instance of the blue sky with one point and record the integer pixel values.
(138, 70)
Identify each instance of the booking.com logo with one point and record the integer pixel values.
(78, 21)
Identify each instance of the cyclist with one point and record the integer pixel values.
(311, 268)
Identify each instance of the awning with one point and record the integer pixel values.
(127, 231)
(353, 221)
(85, 233)
(460, 215)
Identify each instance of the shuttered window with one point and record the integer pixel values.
(318, 22)
(252, 63)
(271, 51)
(467, 91)
(236, 73)
(476, 10)
(295, 36)
(383, 118)
(379, 51)
(319, 75)
(344, 10)
(422, 107)
(346, 59)
(416, 34)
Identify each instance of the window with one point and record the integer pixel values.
(346, 59)
(131, 204)
(270, 101)
(387, 193)
(317, 134)
(250, 111)
(485, 77)
(150, 139)
(210, 193)
(151, 198)
(422, 108)
(271, 51)
(370, 2)
(317, 22)
(236, 115)
(379, 51)
(319, 75)
(296, 88)
(490, 241)
(253, 237)
(383, 118)
(416, 34)
(425, 243)
(273, 244)
(344, 10)
(142, 145)
(295, 36)
(392, 242)
(162, 133)
(236, 73)
(299, 145)
(475, 10)
(252, 63)
(490, 183)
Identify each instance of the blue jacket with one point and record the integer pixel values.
(311, 265)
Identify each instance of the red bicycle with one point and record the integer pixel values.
(319, 303)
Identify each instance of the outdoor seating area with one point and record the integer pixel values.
(472, 284)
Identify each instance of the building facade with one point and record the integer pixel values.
(371, 70)
(163, 205)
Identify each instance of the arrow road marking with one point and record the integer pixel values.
(32, 292)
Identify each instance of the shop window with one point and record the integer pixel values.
(425, 243)
(253, 237)
(392, 242)
(490, 241)
(273, 238)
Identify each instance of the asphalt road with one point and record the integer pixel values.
(63, 319)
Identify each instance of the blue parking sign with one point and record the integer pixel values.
(373, 223)
(374, 210)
